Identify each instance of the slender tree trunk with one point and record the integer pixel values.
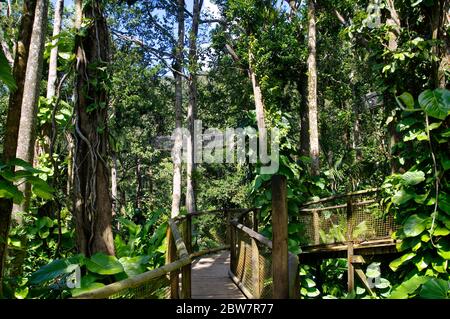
(53, 63)
(92, 197)
(394, 22)
(259, 108)
(312, 90)
(178, 143)
(304, 121)
(70, 173)
(115, 202)
(13, 120)
(439, 16)
(192, 106)
(138, 183)
(27, 127)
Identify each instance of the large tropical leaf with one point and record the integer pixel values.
(55, 269)
(5, 72)
(414, 225)
(435, 103)
(104, 264)
(435, 289)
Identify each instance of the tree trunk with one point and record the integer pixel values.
(115, 202)
(53, 63)
(259, 108)
(92, 198)
(439, 18)
(192, 106)
(138, 184)
(394, 22)
(304, 121)
(13, 119)
(312, 90)
(178, 143)
(27, 127)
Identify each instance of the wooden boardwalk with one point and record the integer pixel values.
(210, 278)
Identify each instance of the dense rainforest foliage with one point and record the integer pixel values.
(92, 90)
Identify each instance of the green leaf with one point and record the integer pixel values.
(25, 165)
(21, 293)
(87, 283)
(310, 283)
(444, 202)
(414, 225)
(134, 265)
(103, 264)
(382, 283)
(5, 73)
(407, 99)
(8, 190)
(54, 269)
(401, 197)
(44, 192)
(444, 248)
(395, 264)
(413, 177)
(408, 287)
(373, 270)
(435, 103)
(435, 289)
(132, 227)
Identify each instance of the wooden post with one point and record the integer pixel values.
(280, 269)
(228, 217)
(351, 269)
(255, 270)
(171, 257)
(255, 219)
(232, 248)
(294, 278)
(316, 227)
(186, 270)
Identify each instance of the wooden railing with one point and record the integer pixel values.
(126, 286)
(252, 266)
(181, 252)
(349, 225)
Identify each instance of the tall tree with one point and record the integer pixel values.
(178, 75)
(192, 105)
(27, 128)
(53, 63)
(13, 118)
(312, 89)
(92, 199)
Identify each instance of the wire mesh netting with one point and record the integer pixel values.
(157, 288)
(252, 265)
(328, 222)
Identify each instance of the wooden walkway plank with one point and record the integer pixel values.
(210, 278)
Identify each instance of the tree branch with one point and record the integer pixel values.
(161, 55)
(232, 53)
(341, 18)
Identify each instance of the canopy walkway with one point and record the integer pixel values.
(221, 254)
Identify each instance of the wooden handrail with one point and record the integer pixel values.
(310, 210)
(181, 247)
(216, 211)
(253, 234)
(327, 199)
(135, 281)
